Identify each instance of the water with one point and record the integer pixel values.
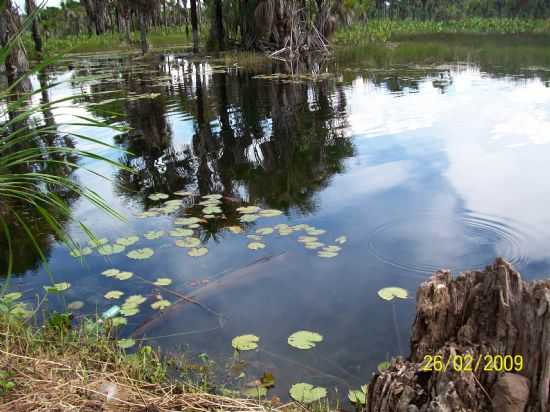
(425, 154)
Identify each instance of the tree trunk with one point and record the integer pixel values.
(194, 26)
(219, 24)
(477, 315)
(16, 61)
(30, 7)
(143, 33)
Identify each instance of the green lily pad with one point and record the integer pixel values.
(332, 248)
(197, 252)
(144, 215)
(127, 241)
(11, 297)
(248, 209)
(174, 203)
(188, 242)
(161, 304)
(315, 232)
(235, 229)
(256, 392)
(163, 282)
(341, 240)
(20, 310)
(327, 255)
(358, 396)
(129, 310)
(152, 235)
(76, 305)
(248, 218)
(307, 393)
(141, 254)
(270, 213)
(97, 242)
(113, 294)
(264, 231)
(57, 287)
(215, 196)
(390, 293)
(186, 221)
(110, 273)
(135, 300)
(307, 239)
(212, 210)
(158, 196)
(304, 339)
(126, 343)
(85, 251)
(183, 193)
(254, 237)
(108, 250)
(256, 245)
(245, 342)
(119, 321)
(313, 245)
(124, 275)
(194, 225)
(181, 232)
(382, 366)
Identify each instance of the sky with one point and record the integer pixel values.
(21, 3)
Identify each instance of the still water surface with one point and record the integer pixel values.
(427, 154)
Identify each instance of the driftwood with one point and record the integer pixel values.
(490, 312)
(251, 272)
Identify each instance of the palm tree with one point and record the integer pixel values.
(30, 8)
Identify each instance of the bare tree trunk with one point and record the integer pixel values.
(194, 26)
(219, 24)
(16, 61)
(470, 321)
(143, 33)
(30, 7)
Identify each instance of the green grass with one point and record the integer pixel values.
(385, 29)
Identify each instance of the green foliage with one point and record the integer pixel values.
(6, 384)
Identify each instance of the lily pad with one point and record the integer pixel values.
(248, 209)
(256, 392)
(313, 245)
(270, 213)
(127, 241)
(304, 339)
(161, 304)
(152, 235)
(212, 210)
(390, 293)
(307, 393)
(57, 287)
(254, 237)
(341, 240)
(141, 254)
(163, 282)
(358, 396)
(134, 300)
(181, 232)
(119, 321)
(11, 297)
(124, 275)
(129, 310)
(249, 218)
(235, 229)
(315, 232)
(256, 245)
(108, 250)
(183, 193)
(110, 273)
(332, 248)
(113, 294)
(186, 221)
(158, 196)
(76, 305)
(327, 255)
(216, 196)
(245, 342)
(97, 242)
(264, 231)
(194, 225)
(188, 242)
(126, 343)
(307, 239)
(197, 252)
(85, 251)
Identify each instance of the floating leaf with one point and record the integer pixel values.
(248, 209)
(248, 218)
(57, 287)
(256, 392)
(76, 305)
(152, 235)
(126, 343)
(197, 252)
(119, 321)
(140, 254)
(313, 245)
(264, 231)
(188, 242)
(245, 342)
(304, 339)
(315, 232)
(358, 396)
(307, 393)
(254, 237)
(341, 240)
(301, 226)
(332, 248)
(307, 239)
(161, 304)
(113, 294)
(325, 254)
(108, 250)
(134, 300)
(129, 310)
(81, 252)
(11, 297)
(20, 310)
(285, 232)
(209, 216)
(183, 193)
(235, 229)
(158, 196)
(127, 241)
(124, 275)
(212, 210)
(194, 225)
(147, 214)
(382, 366)
(163, 282)
(110, 272)
(174, 203)
(256, 245)
(187, 221)
(216, 196)
(181, 232)
(393, 292)
(270, 213)
(97, 242)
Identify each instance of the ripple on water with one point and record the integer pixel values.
(427, 242)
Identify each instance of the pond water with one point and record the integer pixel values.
(427, 153)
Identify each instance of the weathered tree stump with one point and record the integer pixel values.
(479, 313)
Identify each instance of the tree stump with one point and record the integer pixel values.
(475, 316)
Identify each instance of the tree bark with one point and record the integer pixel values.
(194, 26)
(16, 61)
(219, 24)
(143, 33)
(491, 312)
(30, 7)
